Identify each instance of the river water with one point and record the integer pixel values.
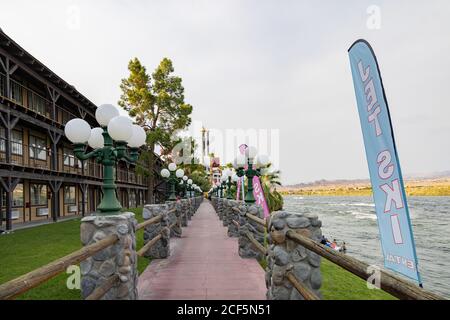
(353, 220)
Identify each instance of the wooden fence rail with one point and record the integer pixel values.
(398, 287)
(301, 288)
(99, 292)
(149, 222)
(152, 242)
(255, 243)
(17, 286)
(256, 219)
(148, 245)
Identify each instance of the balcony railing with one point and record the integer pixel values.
(41, 158)
(33, 101)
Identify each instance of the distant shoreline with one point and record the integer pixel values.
(412, 189)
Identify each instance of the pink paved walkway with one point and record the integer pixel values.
(204, 264)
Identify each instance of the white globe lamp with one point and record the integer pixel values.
(105, 113)
(179, 173)
(251, 152)
(96, 140)
(77, 130)
(165, 173)
(138, 137)
(120, 128)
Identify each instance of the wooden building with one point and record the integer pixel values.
(40, 178)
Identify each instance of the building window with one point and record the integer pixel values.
(132, 199)
(16, 142)
(38, 149)
(38, 194)
(17, 196)
(69, 195)
(70, 160)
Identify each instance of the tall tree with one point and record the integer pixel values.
(157, 104)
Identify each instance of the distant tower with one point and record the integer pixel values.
(207, 142)
(203, 143)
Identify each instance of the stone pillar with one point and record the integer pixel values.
(184, 212)
(226, 212)
(246, 248)
(233, 230)
(176, 230)
(286, 255)
(119, 259)
(161, 249)
(189, 208)
(220, 208)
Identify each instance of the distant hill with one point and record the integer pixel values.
(417, 177)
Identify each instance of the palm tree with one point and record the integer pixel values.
(269, 181)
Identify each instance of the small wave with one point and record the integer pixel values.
(363, 204)
(362, 215)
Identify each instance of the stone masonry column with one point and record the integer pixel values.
(226, 212)
(220, 208)
(246, 248)
(233, 230)
(176, 230)
(287, 256)
(184, 212)
(160, 249)
(119, 259)
(191, 204)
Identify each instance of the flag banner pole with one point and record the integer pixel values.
(260, 199)
(389, 195)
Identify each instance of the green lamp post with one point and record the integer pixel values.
(172, 175)
(227, 174)
(190, 182)
(109, 143)
(222, 186)
(185, 187)
(251, 171)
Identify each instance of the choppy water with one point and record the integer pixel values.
(353, 220)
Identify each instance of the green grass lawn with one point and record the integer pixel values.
(339, 284)
(28, 249)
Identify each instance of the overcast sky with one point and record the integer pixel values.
(282, 64)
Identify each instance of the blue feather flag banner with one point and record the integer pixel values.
(391, 207)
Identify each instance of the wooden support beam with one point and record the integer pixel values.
(398, 287)
(13, 69)
(41, 78)
(83, 189)
(13, 288)
(2, 64)
(29, 118)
